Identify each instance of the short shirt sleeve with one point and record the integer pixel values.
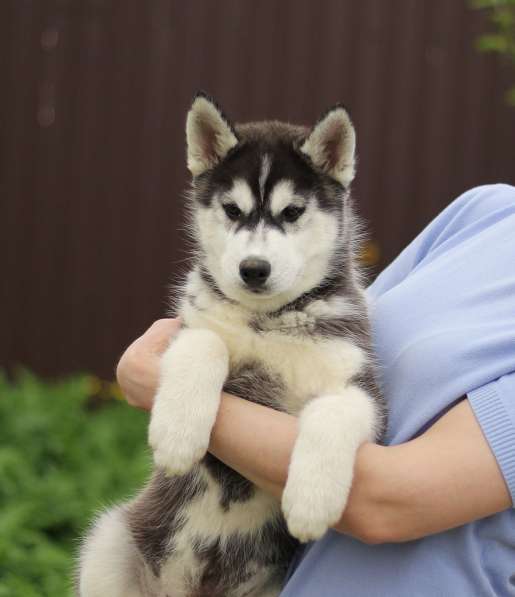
(494, 407)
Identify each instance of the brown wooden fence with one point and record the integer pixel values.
(93, 95)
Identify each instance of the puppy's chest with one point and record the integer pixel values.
(289, 363)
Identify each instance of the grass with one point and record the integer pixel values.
(63, 455)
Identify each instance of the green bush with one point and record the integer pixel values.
(63, 455)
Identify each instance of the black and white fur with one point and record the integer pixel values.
(297, 340)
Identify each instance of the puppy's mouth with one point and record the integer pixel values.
(260, 291)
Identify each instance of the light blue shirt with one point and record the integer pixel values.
(443, 316)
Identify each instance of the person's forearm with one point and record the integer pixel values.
(255, 441)
(258, 442)
(399, 493)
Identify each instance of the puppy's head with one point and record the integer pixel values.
(267, 201)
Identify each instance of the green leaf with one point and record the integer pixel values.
(503, 17)
(491, 3)
(492, 43)
(510, 96)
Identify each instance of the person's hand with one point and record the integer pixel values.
(138, 370)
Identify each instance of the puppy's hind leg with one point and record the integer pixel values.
(108, 559)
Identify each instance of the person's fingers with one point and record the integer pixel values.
(145, 404)
(168, 323)
(137, 371)
(157, 337)
(142, 352)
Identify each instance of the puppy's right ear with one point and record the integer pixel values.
(209, 135)
(331, 145)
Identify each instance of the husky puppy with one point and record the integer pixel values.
(274, 312)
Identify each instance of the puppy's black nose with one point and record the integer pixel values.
(254, 271)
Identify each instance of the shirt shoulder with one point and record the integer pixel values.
(472, 212)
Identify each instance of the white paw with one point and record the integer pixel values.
(313, 506)
(177, 444)
(304, 521)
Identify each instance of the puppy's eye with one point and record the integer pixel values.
(232, 211)
(292, 213)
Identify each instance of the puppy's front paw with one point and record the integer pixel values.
(313, 503)
(177, 444)
(304, 517)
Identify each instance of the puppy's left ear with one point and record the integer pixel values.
(331, 145)
(209, 135)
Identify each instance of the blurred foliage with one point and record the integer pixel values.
(63, 455)
(501, 40)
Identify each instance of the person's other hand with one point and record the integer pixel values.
(138, 370)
